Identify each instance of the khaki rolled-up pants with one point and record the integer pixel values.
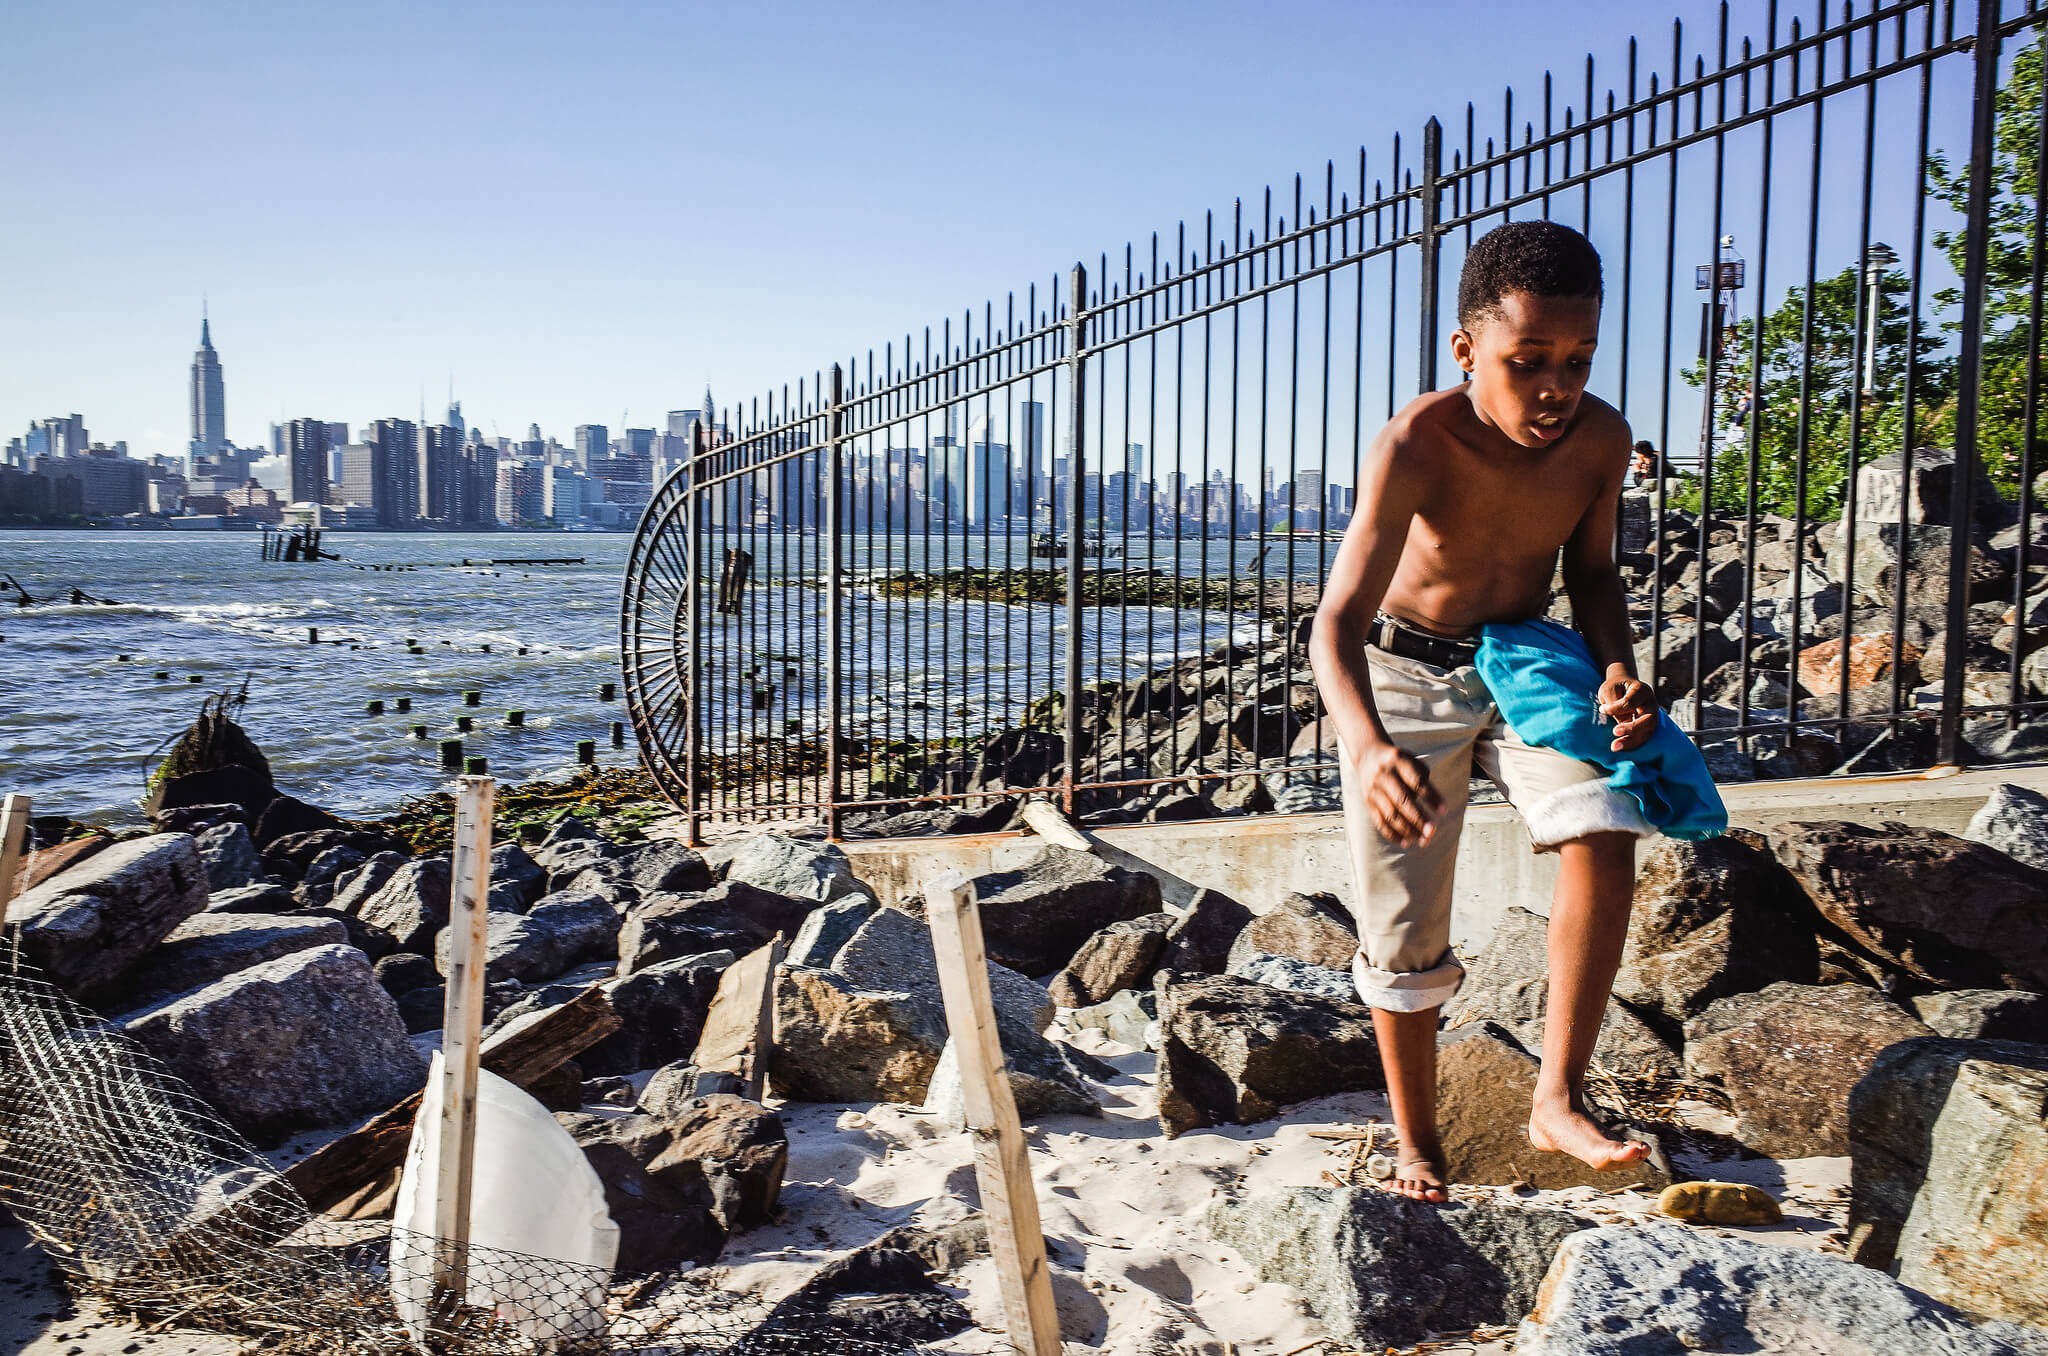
(1402, 895)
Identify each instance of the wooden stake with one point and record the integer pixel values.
(13, 843)
(1001, 1164)
(462, 1037)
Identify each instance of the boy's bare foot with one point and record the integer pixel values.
(1419, 1176)
(1567, 1129)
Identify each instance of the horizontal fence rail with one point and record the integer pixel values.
(1075, 541)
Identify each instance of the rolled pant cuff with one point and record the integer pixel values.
(1581, 810)
(1407, 990)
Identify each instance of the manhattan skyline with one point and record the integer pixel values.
(594, 245)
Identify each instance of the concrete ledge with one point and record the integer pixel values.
(1261, 859)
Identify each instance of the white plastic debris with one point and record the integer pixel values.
(534, 1194)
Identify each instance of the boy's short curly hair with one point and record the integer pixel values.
(1542, 258)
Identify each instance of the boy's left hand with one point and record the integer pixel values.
(1628, 702)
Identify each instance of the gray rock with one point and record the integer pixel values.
(661, 1013)
(1036, 917)
(1042, 1083)
(358, 887)
(666, 868)
(1924, 491)
(663, 1206)
(230, 856)
(404, 972)
(742, 1150)
(1235, 1052)
(87, 926)
(411, 905)
(1200, 939)
(2015, 821)
(1985, 1014)
(562, 930)
(1787, 1057)
(1296, 976)
(1509, 983)
(1948, 1147)
(669, 1091)
(790, 866)
(1666, 1290)
(732, 915)
(827, 929)
(1383, 1271)
(1121, 956)
(252, 899)
(303, 1041)
(892, 952)
(836, 1042)
(1130, 1018)
(517, 880)
(1313, 928)
(211, 946)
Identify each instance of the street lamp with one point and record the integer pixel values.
(1876, 260)
(1724, 278)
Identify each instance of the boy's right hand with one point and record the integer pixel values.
(1403, 805)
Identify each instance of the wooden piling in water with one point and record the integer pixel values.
(451, 753)
(586, 752)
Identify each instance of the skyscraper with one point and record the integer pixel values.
(209, 415)
(593, 444)
(306, 447)
(398, 493)
(441, 475)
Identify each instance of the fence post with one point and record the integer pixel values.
(1002, 1162)
(13, 843)
(1970, 379)
(835, 772)
(693, 566)
(1430, 238)
(461, 1037)
(1077, 382)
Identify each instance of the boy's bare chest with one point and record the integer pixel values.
(1483, 510)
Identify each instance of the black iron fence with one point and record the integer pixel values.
(1074, 540)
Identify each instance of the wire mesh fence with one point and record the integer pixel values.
(148, 1201)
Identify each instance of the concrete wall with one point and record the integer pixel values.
(1261, 860)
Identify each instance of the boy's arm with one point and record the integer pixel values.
(1397, 790)
(1600, 606)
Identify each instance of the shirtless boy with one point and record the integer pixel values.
(1464, 502)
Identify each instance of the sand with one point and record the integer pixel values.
(1134, 1272)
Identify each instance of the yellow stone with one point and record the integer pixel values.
(1718, 1203)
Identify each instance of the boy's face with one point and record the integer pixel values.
(1529, 362)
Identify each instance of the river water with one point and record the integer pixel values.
(79, 726)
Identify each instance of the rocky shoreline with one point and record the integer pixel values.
(1828, 992)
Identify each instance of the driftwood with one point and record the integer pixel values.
(330, 1175)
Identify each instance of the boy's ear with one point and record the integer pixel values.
(1461, 349)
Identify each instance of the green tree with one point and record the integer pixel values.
(2009, 263)
(1826, 369)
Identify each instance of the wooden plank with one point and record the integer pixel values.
(1002, 1165)
(454, 1145)
(333, 1173)
(1046, 820)
(739, 1030)
(13, 844)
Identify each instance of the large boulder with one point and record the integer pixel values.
(1888, 561)
(211, 946)
(1711, 919)
(517, 880)
(1312, 928)
(663, 1206)
(1383, 1271)
(1043, 1078)
(1235, 1052)
(665, 868)
(836, 1042)
(1509, 983)
(2014, 820)
(879, 1296)
(742, 1150)
(353, 889)
(661, 1013)
(295, 1043)
(1941, 911)
(813, 871)
(87, 926)
(1485, 1083)
(411, 904)
(828, 928)
(1667, 1290)
(1200, 939)
(1121, 956)
(1036, 917)
(1296, 976)
(1948, 1147)
(230, 856)
(731, 916)
(559, 932)
(1787, 1057)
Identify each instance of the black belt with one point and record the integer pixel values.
(1397, 637)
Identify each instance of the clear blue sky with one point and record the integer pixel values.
(588, 212)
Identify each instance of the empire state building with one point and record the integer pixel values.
(209, 417)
